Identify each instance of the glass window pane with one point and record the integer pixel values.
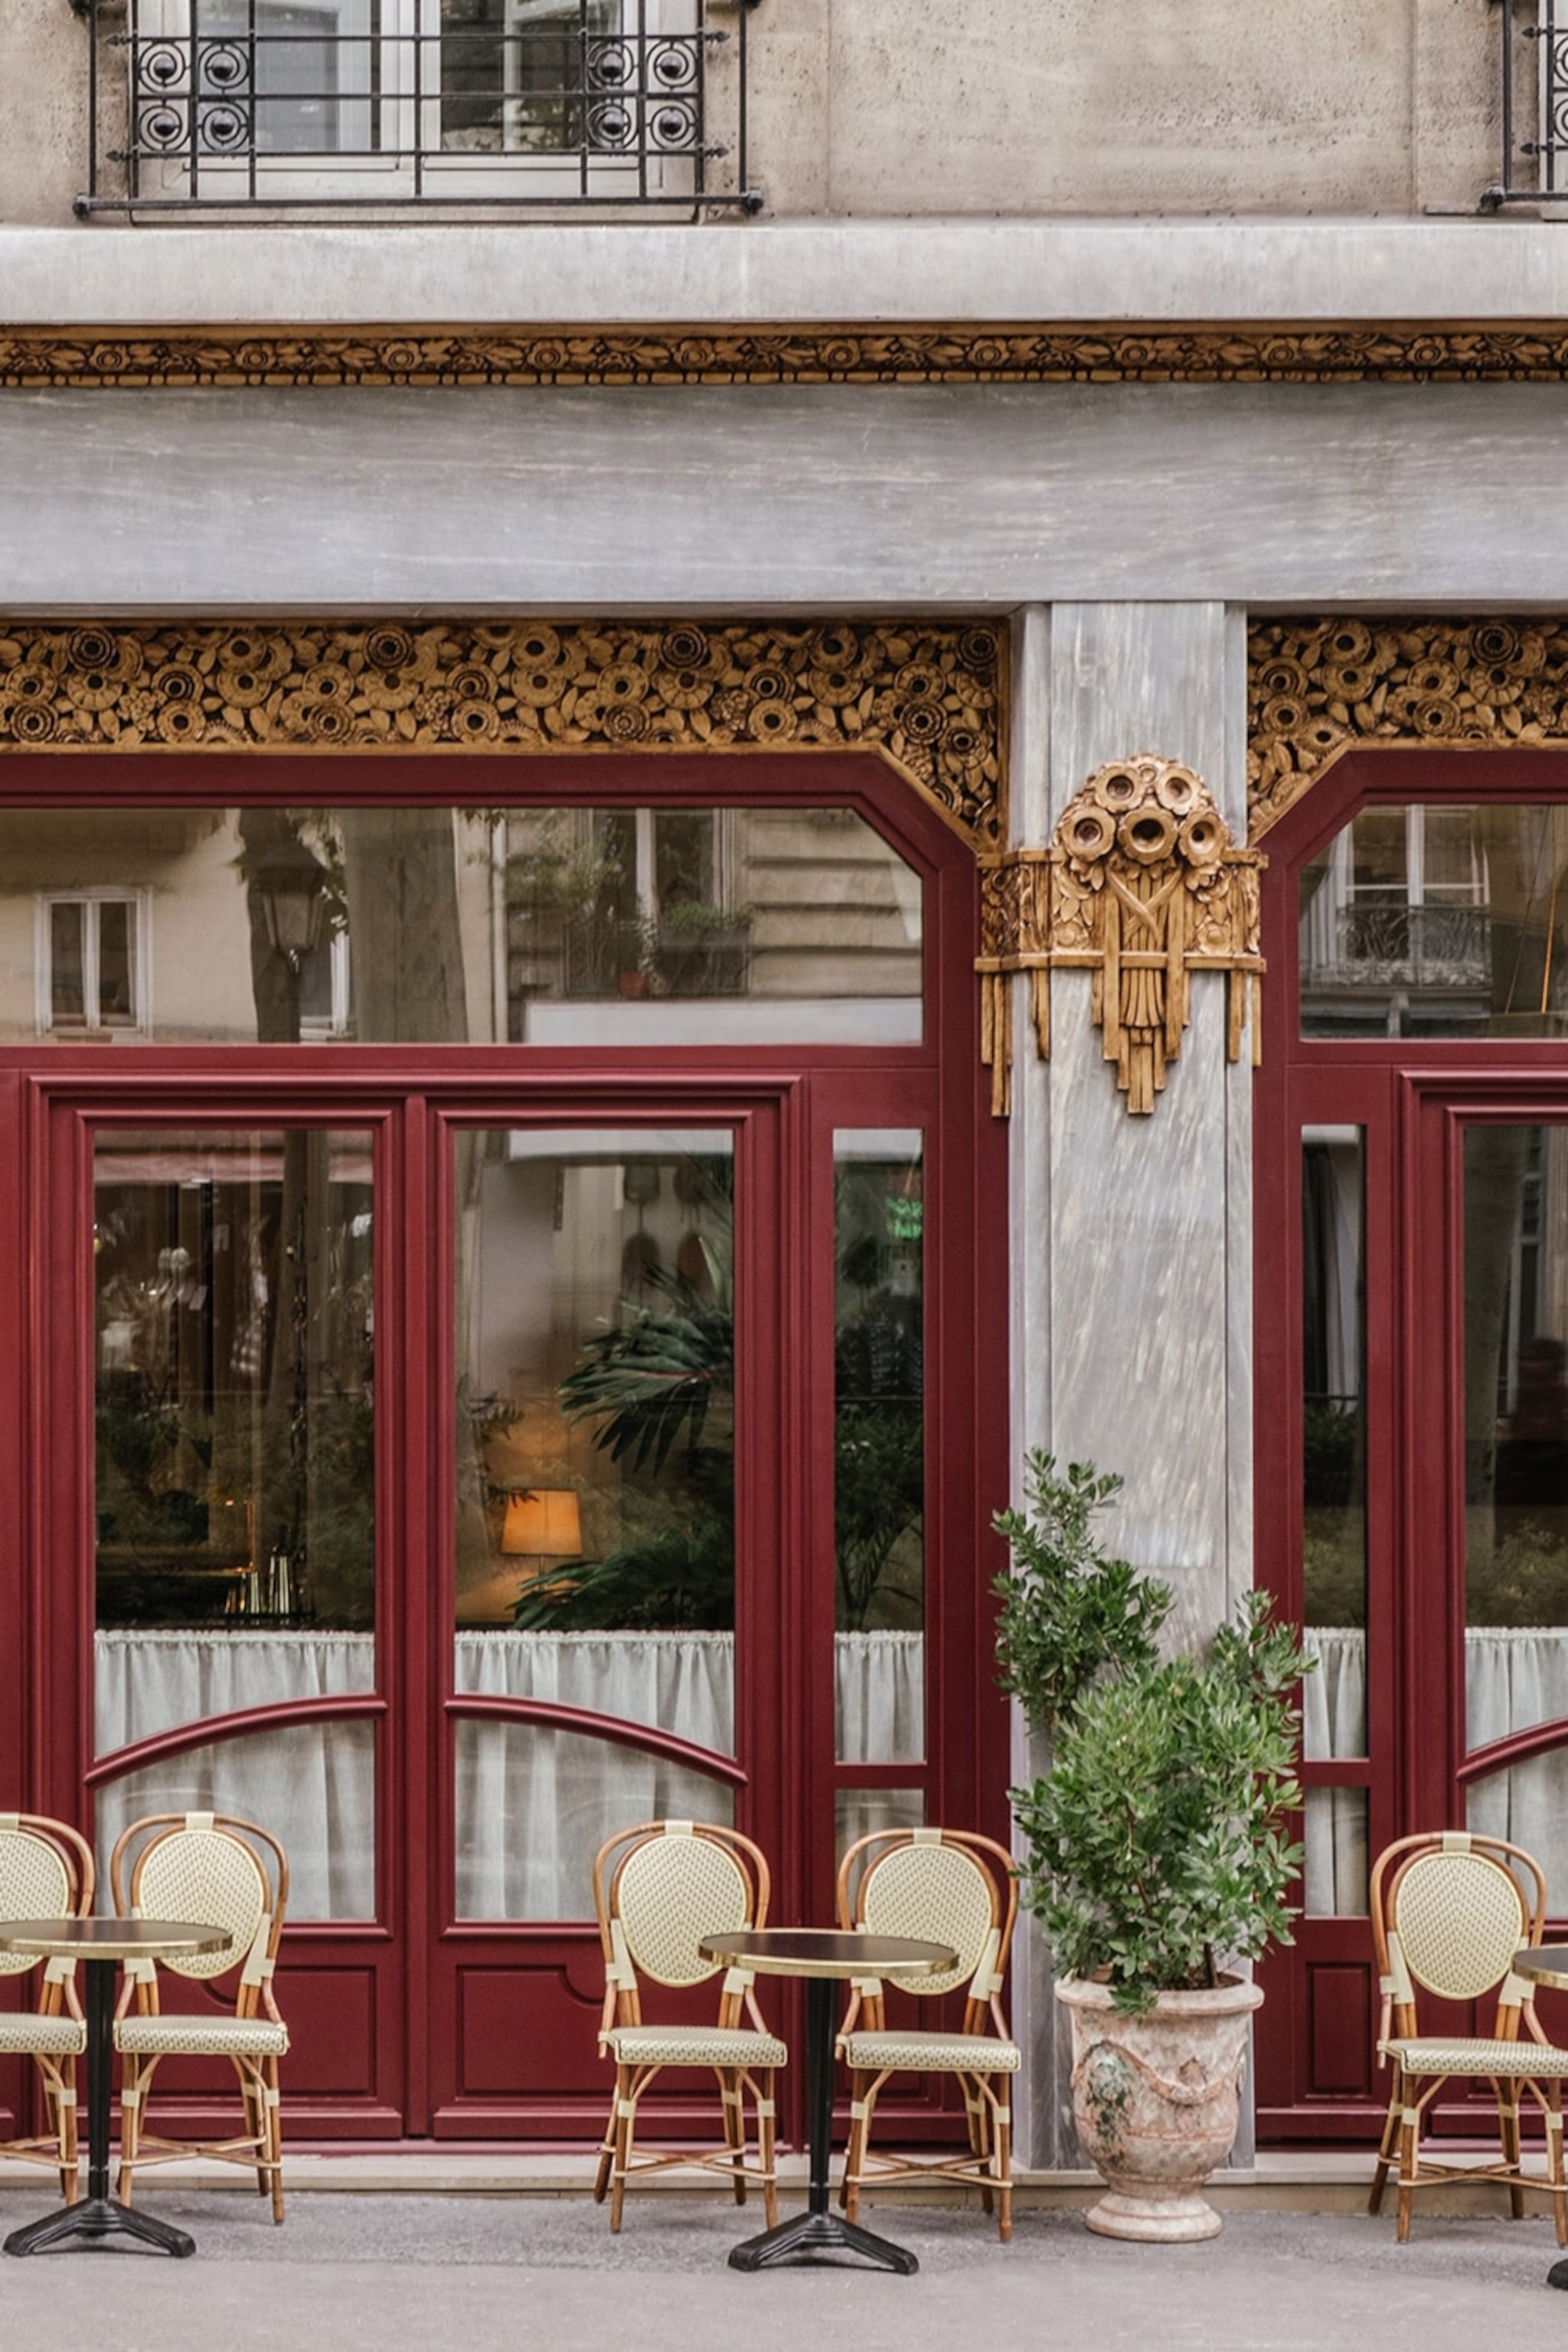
(879, 1443)
(287, 79)
(879, 1690)
(115, 949)
(596, 1531)
(859, 1811)
(1451, 863)
(514, 75)
(640, 927)
(312, 1784)
(1335, 1874)
(788, 925)
(152, 1680)
(68, 962)
(234, 1483)
(1438, 921)
(1380, 855)
(535, 1805)
(1529, 1806)
(1516, 1428)
(1333, 1448)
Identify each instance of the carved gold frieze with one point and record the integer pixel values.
(1143, 886)
(1319, 687)
(938, 353)
(930, 698)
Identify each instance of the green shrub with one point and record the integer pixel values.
(1067, 1610)
(1157, 1842)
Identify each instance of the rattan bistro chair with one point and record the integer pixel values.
(46, 1872)
(955, 1888)
(1449, 1912)
(658, 1889)
(220, 1872)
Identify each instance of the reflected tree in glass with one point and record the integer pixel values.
(234, 1393)
(658, 1388)
(880, 1422)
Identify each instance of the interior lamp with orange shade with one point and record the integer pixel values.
(543, 1523)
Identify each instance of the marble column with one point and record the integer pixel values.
(1132, 1292)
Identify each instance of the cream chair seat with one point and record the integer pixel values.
(217, 1871)
(953, 1887)
(46, 1872)
(658, 1889)
(1450, 1910)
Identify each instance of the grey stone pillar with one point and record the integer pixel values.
(1132, 1280)
(1034, 2011)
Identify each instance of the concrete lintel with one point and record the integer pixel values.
(1488, 269)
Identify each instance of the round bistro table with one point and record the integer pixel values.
(1545, 1964)
(823, 1956)
(101, 1945)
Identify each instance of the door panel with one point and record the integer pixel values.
(287, 1109)
(1412, 1505)
(1514, 1525)
(609, 1569)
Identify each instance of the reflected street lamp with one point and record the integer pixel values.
(291, 885)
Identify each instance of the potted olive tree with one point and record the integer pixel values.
(1157, 1853)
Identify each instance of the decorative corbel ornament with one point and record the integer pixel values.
(1143, 886)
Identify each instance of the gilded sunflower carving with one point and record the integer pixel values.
(1318, 687)
(930, 698)
(1142, 887)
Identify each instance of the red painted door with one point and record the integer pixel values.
(448, 1454)
(1413, 1337)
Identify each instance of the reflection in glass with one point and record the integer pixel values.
(515, 74)
(708, 924)
(641, 926)
(879, 1363)
(312, 1784)
(234, 1483)
(307, 67)
(535, 1805)
(1516, 1427)
(1437, 921)
(596, 1421)
(1528, 1805)
(878, 1446)
(90, 976)
(859, 1811)
(1334, 1872)
(1333, 1448)
(879, 1697)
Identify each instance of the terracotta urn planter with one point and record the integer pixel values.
(1156, 2100)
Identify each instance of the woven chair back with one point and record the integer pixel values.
(203, 1870)
(1459, 1919)
(942, 1887)
(46, 1872)
(673, 1889)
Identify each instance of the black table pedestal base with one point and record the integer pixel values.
(99, 2217)
(98, 2214)
(810, 2235)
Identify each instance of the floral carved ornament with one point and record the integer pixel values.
(1142, 885)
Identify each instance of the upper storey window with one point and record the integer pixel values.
(1438, 921)
(1533, 89)
(282, 103)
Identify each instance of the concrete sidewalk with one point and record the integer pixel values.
(468, 2273)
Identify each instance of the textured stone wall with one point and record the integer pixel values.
(1094, 108)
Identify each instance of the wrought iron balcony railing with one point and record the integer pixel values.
(1407, 946)
(1532, 44)
(469, 103)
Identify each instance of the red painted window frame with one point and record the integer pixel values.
(48, 1746)
(1412, 1099)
